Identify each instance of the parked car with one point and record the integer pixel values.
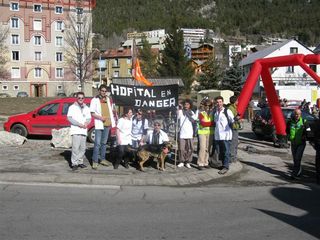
(51, 115)
(4, 95)
(22, 94)
(263, 126)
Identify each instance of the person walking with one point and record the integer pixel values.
(101, 108)
(205, 132)
(124, 138)
(235, 128)
(297, 128)
(223, 119)
(187, 120)
(79, 116)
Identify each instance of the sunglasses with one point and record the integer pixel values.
(103, 90)
(81, 98)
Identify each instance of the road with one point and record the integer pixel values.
(288, 211)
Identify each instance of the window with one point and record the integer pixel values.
(116, 74)
(14, 23)
(15, 87)
(37, 40)
(37, 56)
(15, 39)
(129, 72)
(15, 72)
(50, 109)
(58, 10)
(14, 6)
(59, 26)
(59, 88)
(65, 108)
(290, 69)
(59, 72)
(115, 63)
(59, 41)
(37, 25)
(5, 87)
(37, 72)
(59, 57)
(313, 67)
(15, 55)
(293, 50)
(128, 60)
(79, 10)
(37, 8)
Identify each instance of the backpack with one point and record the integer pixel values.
(230, 123)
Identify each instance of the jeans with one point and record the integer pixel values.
(297, 153)
(223, 149)
(100, 144)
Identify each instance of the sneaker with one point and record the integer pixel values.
(201, 167)
(207, 166)
(94, 165)
(188, 165)
(82, 166)
(75, 168)
(105, 163)
(180, 165)
(223, 171)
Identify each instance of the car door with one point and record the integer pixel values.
(45, 119)
(63, 119)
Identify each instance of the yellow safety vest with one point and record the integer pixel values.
(207, 118)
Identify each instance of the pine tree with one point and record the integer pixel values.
(174, 63)
(149, 60)
(233, 76)
(210, 76)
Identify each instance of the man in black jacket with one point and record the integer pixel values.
(316, 145)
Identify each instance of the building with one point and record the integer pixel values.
(287, 79)
(37, 49)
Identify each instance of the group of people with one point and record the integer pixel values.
(213, 123)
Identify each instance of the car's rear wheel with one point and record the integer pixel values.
(91, 135)
(19, 129)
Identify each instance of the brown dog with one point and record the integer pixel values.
(157, 151)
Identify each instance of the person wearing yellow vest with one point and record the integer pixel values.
(205, 132)
(297, 128)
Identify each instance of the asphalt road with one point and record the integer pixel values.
(257, 212)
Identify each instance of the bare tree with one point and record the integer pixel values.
(4, 74)
(78, 47)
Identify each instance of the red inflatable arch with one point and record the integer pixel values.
(263, 67)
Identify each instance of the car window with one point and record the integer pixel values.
(308, 116)
(65, 108)
(50, 109)
(287, 113)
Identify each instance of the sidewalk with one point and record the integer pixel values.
(37, 162)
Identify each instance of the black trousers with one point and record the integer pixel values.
(317, 160)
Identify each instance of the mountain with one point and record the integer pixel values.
(246, 18)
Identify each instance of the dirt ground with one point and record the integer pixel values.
(10, 106)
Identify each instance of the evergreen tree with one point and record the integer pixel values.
(174, 62)
(210, 76)
(149, 60)
(233, 76)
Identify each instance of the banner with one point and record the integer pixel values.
(155, 97)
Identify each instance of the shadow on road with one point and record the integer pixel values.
(305, 199)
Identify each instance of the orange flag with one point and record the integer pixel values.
(139, 76)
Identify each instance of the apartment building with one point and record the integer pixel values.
(36, 46)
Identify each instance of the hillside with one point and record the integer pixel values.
(250, 18)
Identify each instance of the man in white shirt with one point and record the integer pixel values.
(223, 119)
(101, 110)
(79, 116)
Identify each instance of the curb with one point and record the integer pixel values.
(116, 181)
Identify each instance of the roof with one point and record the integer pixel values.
(118, 53)
(265, 52)
(155, 81)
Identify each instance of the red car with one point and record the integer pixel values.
(51, 115)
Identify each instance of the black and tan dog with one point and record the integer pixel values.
(157, 151)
